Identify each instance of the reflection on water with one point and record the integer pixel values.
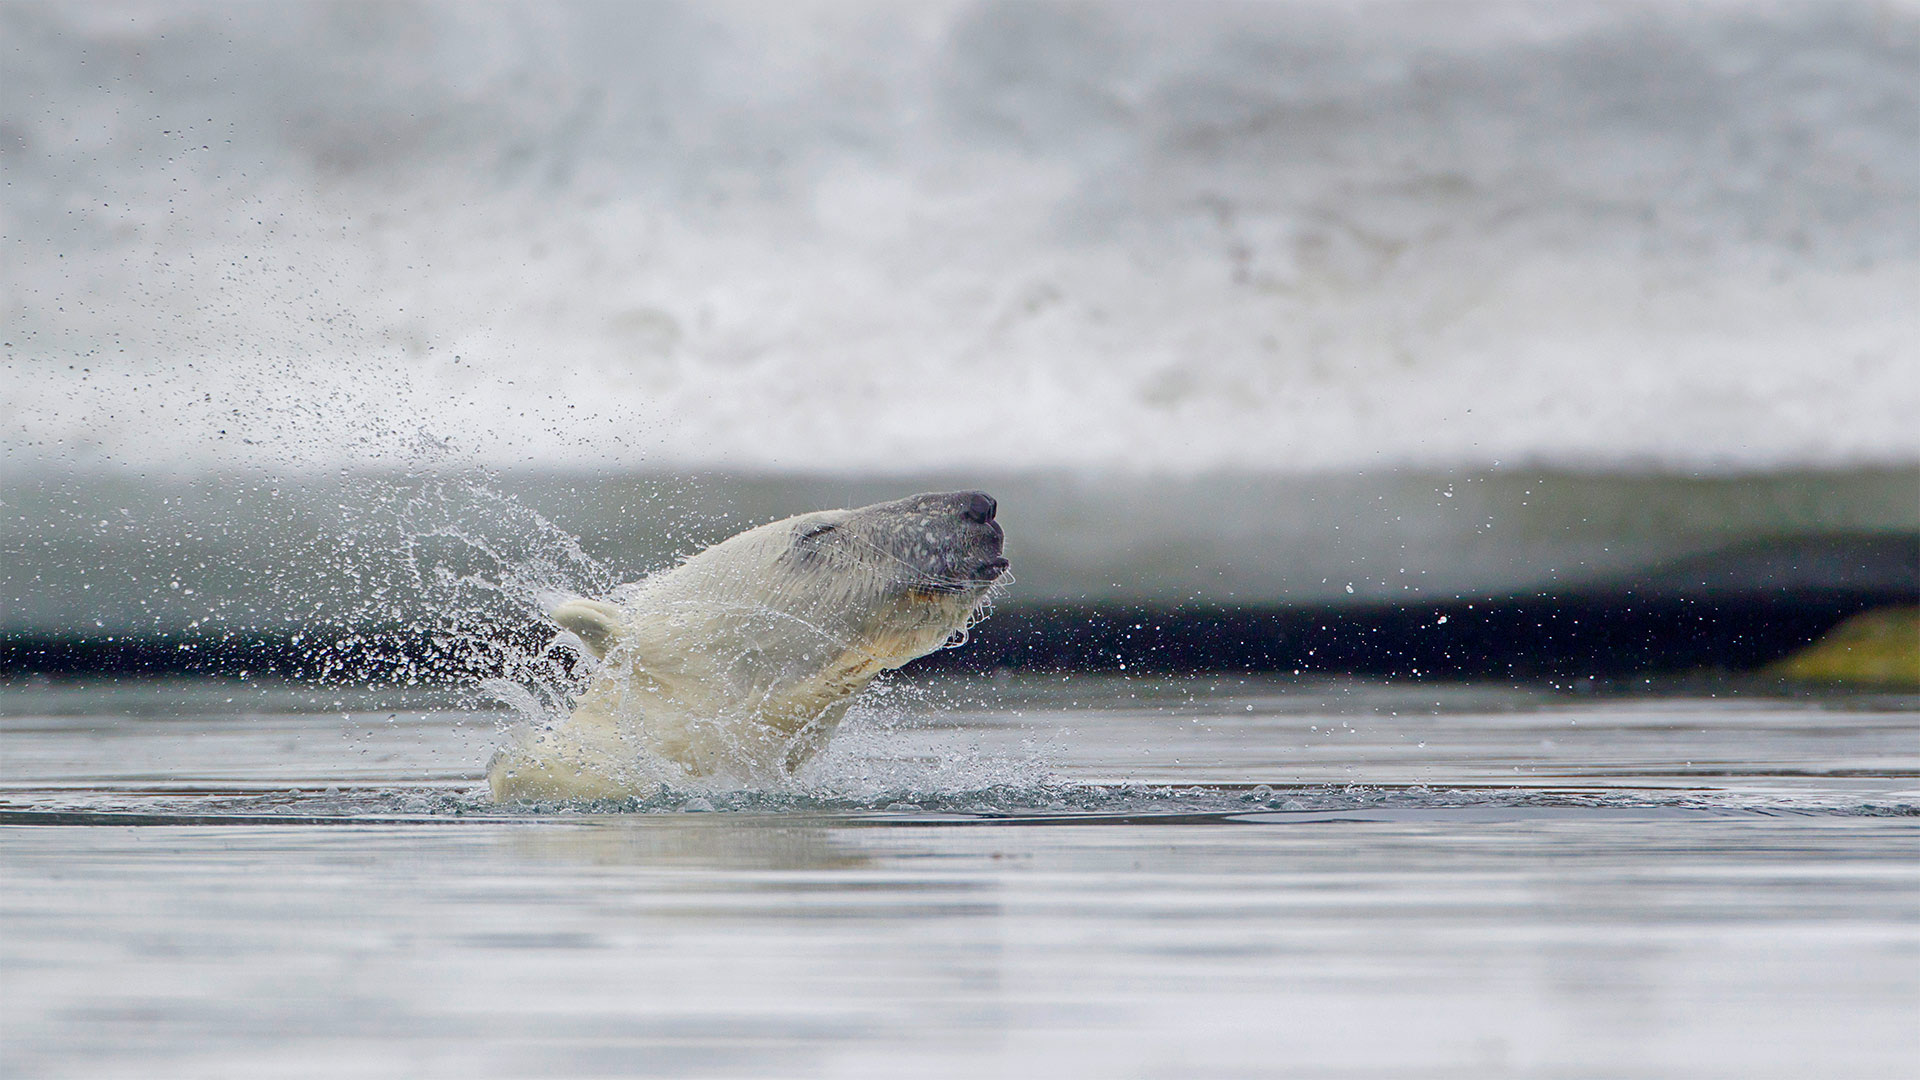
(1080, 878)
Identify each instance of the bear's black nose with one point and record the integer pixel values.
(977, 507)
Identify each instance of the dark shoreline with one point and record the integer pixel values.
(1568, 636)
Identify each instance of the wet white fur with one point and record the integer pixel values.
(739, 661)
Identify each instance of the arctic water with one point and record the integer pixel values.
(1075, 875)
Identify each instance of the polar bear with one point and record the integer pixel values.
(742, 660)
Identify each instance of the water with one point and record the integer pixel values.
(1035, 875)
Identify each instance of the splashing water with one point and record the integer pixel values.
(488, 569)
(473, 573)
(375, 581)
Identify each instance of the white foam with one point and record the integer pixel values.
(1283, 238)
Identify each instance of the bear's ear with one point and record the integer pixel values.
(597, 625)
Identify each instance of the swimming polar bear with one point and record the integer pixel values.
(743, 659)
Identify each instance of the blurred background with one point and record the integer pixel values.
(1466, 339)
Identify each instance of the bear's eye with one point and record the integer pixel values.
(814, 532)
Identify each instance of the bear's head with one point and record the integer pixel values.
(919, 568)
(870, 588)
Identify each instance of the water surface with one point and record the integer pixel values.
(1042, 875)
